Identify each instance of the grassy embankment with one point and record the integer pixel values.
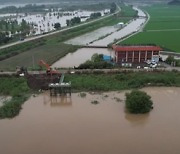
(163, 28)
(52, 48)
(18, 89)
(122, 81)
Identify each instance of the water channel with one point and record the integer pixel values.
(74, 125)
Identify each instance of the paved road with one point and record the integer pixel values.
(55, 32)
(168, 68)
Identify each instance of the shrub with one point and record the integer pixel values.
(138, 102)
(82, 95)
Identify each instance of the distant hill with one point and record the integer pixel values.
(174, 2)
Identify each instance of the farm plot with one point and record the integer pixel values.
(163, 28)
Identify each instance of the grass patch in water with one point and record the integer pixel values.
(82, 95)
(18, 89)
(95, 102)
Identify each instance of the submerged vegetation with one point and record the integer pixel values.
(18, 89)
(95, 102)
(138, 102)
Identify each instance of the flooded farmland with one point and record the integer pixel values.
(44, 22)
(80, 56)
(74, 125)
(88, 38)
(91, 39)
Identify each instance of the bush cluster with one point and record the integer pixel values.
(138, 102)
(96, 62)
(18, 89)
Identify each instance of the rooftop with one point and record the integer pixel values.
(136, 48)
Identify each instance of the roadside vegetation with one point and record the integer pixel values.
(162, 29)
(96, 62)
(12, 31)
(138, 102)
(18, 89)
(173, 62)
(122, 81)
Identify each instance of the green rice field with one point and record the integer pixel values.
(162, 29)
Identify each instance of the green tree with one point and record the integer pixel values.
(57, 25)
(68, 23)
(113, 7)
(138, 102)
(97, 57)
(170, 59)
(95, 15)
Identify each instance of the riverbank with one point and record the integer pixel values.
(122, 81)
(18, 89)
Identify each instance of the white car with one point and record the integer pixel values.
(153, 65)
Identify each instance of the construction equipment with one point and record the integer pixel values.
(42, 80)
(49, 70)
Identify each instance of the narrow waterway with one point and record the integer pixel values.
(74, 125)
(79, 57)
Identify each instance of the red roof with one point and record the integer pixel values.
(136, 48)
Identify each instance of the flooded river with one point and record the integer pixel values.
(79, 57)
(66, 126)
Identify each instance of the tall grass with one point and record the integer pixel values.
(18, 89)
(122, 81)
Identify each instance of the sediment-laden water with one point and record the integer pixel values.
(80, 56)
(74, 125)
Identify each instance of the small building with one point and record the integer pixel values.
(135, 54)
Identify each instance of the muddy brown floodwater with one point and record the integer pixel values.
(75, 126)
(80, 56)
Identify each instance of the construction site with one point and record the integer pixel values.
(50, 79)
